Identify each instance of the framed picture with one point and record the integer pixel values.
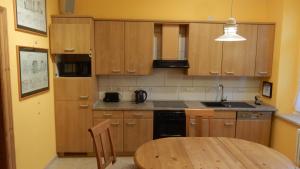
(33, 71)
(31, 16)
(267, 89)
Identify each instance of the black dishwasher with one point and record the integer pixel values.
(169, 123)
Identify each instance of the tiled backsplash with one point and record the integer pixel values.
(173, 84)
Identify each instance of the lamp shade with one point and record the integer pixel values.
(230, 32)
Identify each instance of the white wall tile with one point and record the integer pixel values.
(191, 93)
(164, 93)
(156, 79)
(173, 84)
(176, 77)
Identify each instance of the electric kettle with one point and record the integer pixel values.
(140, 96)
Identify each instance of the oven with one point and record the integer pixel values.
(169, 123)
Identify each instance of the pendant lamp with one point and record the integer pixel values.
(230, 31)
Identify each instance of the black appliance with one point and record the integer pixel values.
(140, 96)
(169, 123)
(74, 69)
(171, 64)
(111, 97)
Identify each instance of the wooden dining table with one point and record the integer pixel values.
(208, 153)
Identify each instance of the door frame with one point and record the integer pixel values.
(6, 91)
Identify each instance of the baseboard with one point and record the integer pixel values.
(51, 162)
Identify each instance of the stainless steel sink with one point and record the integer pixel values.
(228, 104)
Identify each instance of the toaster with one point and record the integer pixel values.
(111, 97)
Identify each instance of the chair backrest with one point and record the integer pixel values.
(101, 135)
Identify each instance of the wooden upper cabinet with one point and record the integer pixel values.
(138, 48)
(265, 48)
(71, 35)
(239, 57)
(109, 46)
(204, 53)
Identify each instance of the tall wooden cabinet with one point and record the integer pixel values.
(73, 114)
(109, 46)
(239, 57)
(71, 35)
(204, 53)
(138, 48)
(265, 48)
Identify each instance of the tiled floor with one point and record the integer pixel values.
(90, 163)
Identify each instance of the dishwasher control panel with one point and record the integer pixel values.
(254, 115)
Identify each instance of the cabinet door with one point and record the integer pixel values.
(205, 54)
(265, 48)
(72, 89)
(136, 133)
(199, 128)
(73, 119)
(116, 133)
(70, 38)
(109, 46)
(254, 130)
(223, 128)
(138, 48)
(239, 57)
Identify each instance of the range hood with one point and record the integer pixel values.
(170, 64)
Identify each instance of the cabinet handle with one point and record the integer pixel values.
(85, 106)
(69, 50)
(116, 71)
(229, 73)
(107, 114)
(193, 123)
(138, 115)
(131, 124)
(115, 124)
(214, 73)
(228, 124)
(83, 97)
(263, 73)
(131, 71)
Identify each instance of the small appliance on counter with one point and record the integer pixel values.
(111, 97)
(140, 96)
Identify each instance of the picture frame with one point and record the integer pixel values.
(33, 71)
(31, 16)
(267, 89)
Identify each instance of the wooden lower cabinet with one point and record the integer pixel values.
(223, 128)
(136, 133)
(116, 133)
(73, 119)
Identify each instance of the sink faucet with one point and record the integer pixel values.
(223, 98)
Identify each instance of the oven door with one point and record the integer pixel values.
(169, 124)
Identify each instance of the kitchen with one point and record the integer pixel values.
(157, 77)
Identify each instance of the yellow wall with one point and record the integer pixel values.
(286, 65)
(246, 10)
(33, 118)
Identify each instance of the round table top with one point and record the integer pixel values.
(208, 153)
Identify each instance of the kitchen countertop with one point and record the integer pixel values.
(148, 105)
(293, 118)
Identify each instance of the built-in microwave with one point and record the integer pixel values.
(74, 66)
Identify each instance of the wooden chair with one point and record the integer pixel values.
(105, 153)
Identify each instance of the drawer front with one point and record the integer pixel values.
(108, 114)
(138, 114)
